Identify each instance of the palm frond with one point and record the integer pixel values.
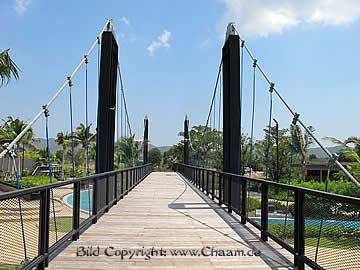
(8, 68)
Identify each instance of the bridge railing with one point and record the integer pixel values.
(35, 222)
(320, 229)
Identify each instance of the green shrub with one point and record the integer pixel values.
(33, 181)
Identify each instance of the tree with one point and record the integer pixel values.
(312, 157)
(260, 155)
(349, 153)
(63, 139)
(83, 136)
(205, 146)
(11, 128)
(8, 68)
(155, 156)
(127, 152)
(302, 141)
(174, 155)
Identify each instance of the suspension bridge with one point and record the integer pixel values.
(215, 211)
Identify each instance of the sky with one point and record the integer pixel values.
(169, 55)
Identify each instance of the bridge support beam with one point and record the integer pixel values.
(231, 118)
(106, 119)
(146, 141)
(186, 140)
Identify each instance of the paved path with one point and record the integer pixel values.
(165, 212)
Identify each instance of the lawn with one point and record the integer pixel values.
(63, 224)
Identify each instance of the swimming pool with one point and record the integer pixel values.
(85, 200)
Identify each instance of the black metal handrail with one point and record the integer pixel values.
(207, 179)
(117, 184)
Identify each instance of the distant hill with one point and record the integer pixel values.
(40, 143)
(162, 149)
(320, 154)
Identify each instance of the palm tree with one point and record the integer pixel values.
(84, 137)
(63, 139)
(128, 150)
(8, 68)
(11, 129)
(302, 141)
(349, 153)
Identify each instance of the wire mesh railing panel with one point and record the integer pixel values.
(254, 201)
(281, 214)
(86, 199)
(61, 212)
(19, 231)
(332, 233)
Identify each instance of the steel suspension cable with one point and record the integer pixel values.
(72, 129)
(86, 119)
(123, 94)
(240, 104)
(210, 109)
(269, 132)
(46, 112)
(219, 123)
(13, 155)
(214, 93)
(252, 118)
(214, 135)
(293, 126)
(325, 205)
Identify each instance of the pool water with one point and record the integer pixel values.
(85, 200)
(316, 222)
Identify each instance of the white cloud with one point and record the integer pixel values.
(263, 17)
(162, 41)
(21, 6)
(125, 20)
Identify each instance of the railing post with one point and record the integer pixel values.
(243, 200)
(107, 199)
(127, 182)
(220, 189)
(116, 190)
(202, 179)
(44, 216)
(229, 195)
(122, 185)
(264, 211)
(94, 201)
(76, 210)
(196, 177)
(299, 230)
(213, 186)
(207, 182)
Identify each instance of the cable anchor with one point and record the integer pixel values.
(69, 81)
(242, 44)
(296, 118)
(272, 86)
(46, 110)
(255, 63)
(333, 159)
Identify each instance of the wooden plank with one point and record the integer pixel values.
(164, 211)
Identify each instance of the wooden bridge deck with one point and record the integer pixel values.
(165, 211)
